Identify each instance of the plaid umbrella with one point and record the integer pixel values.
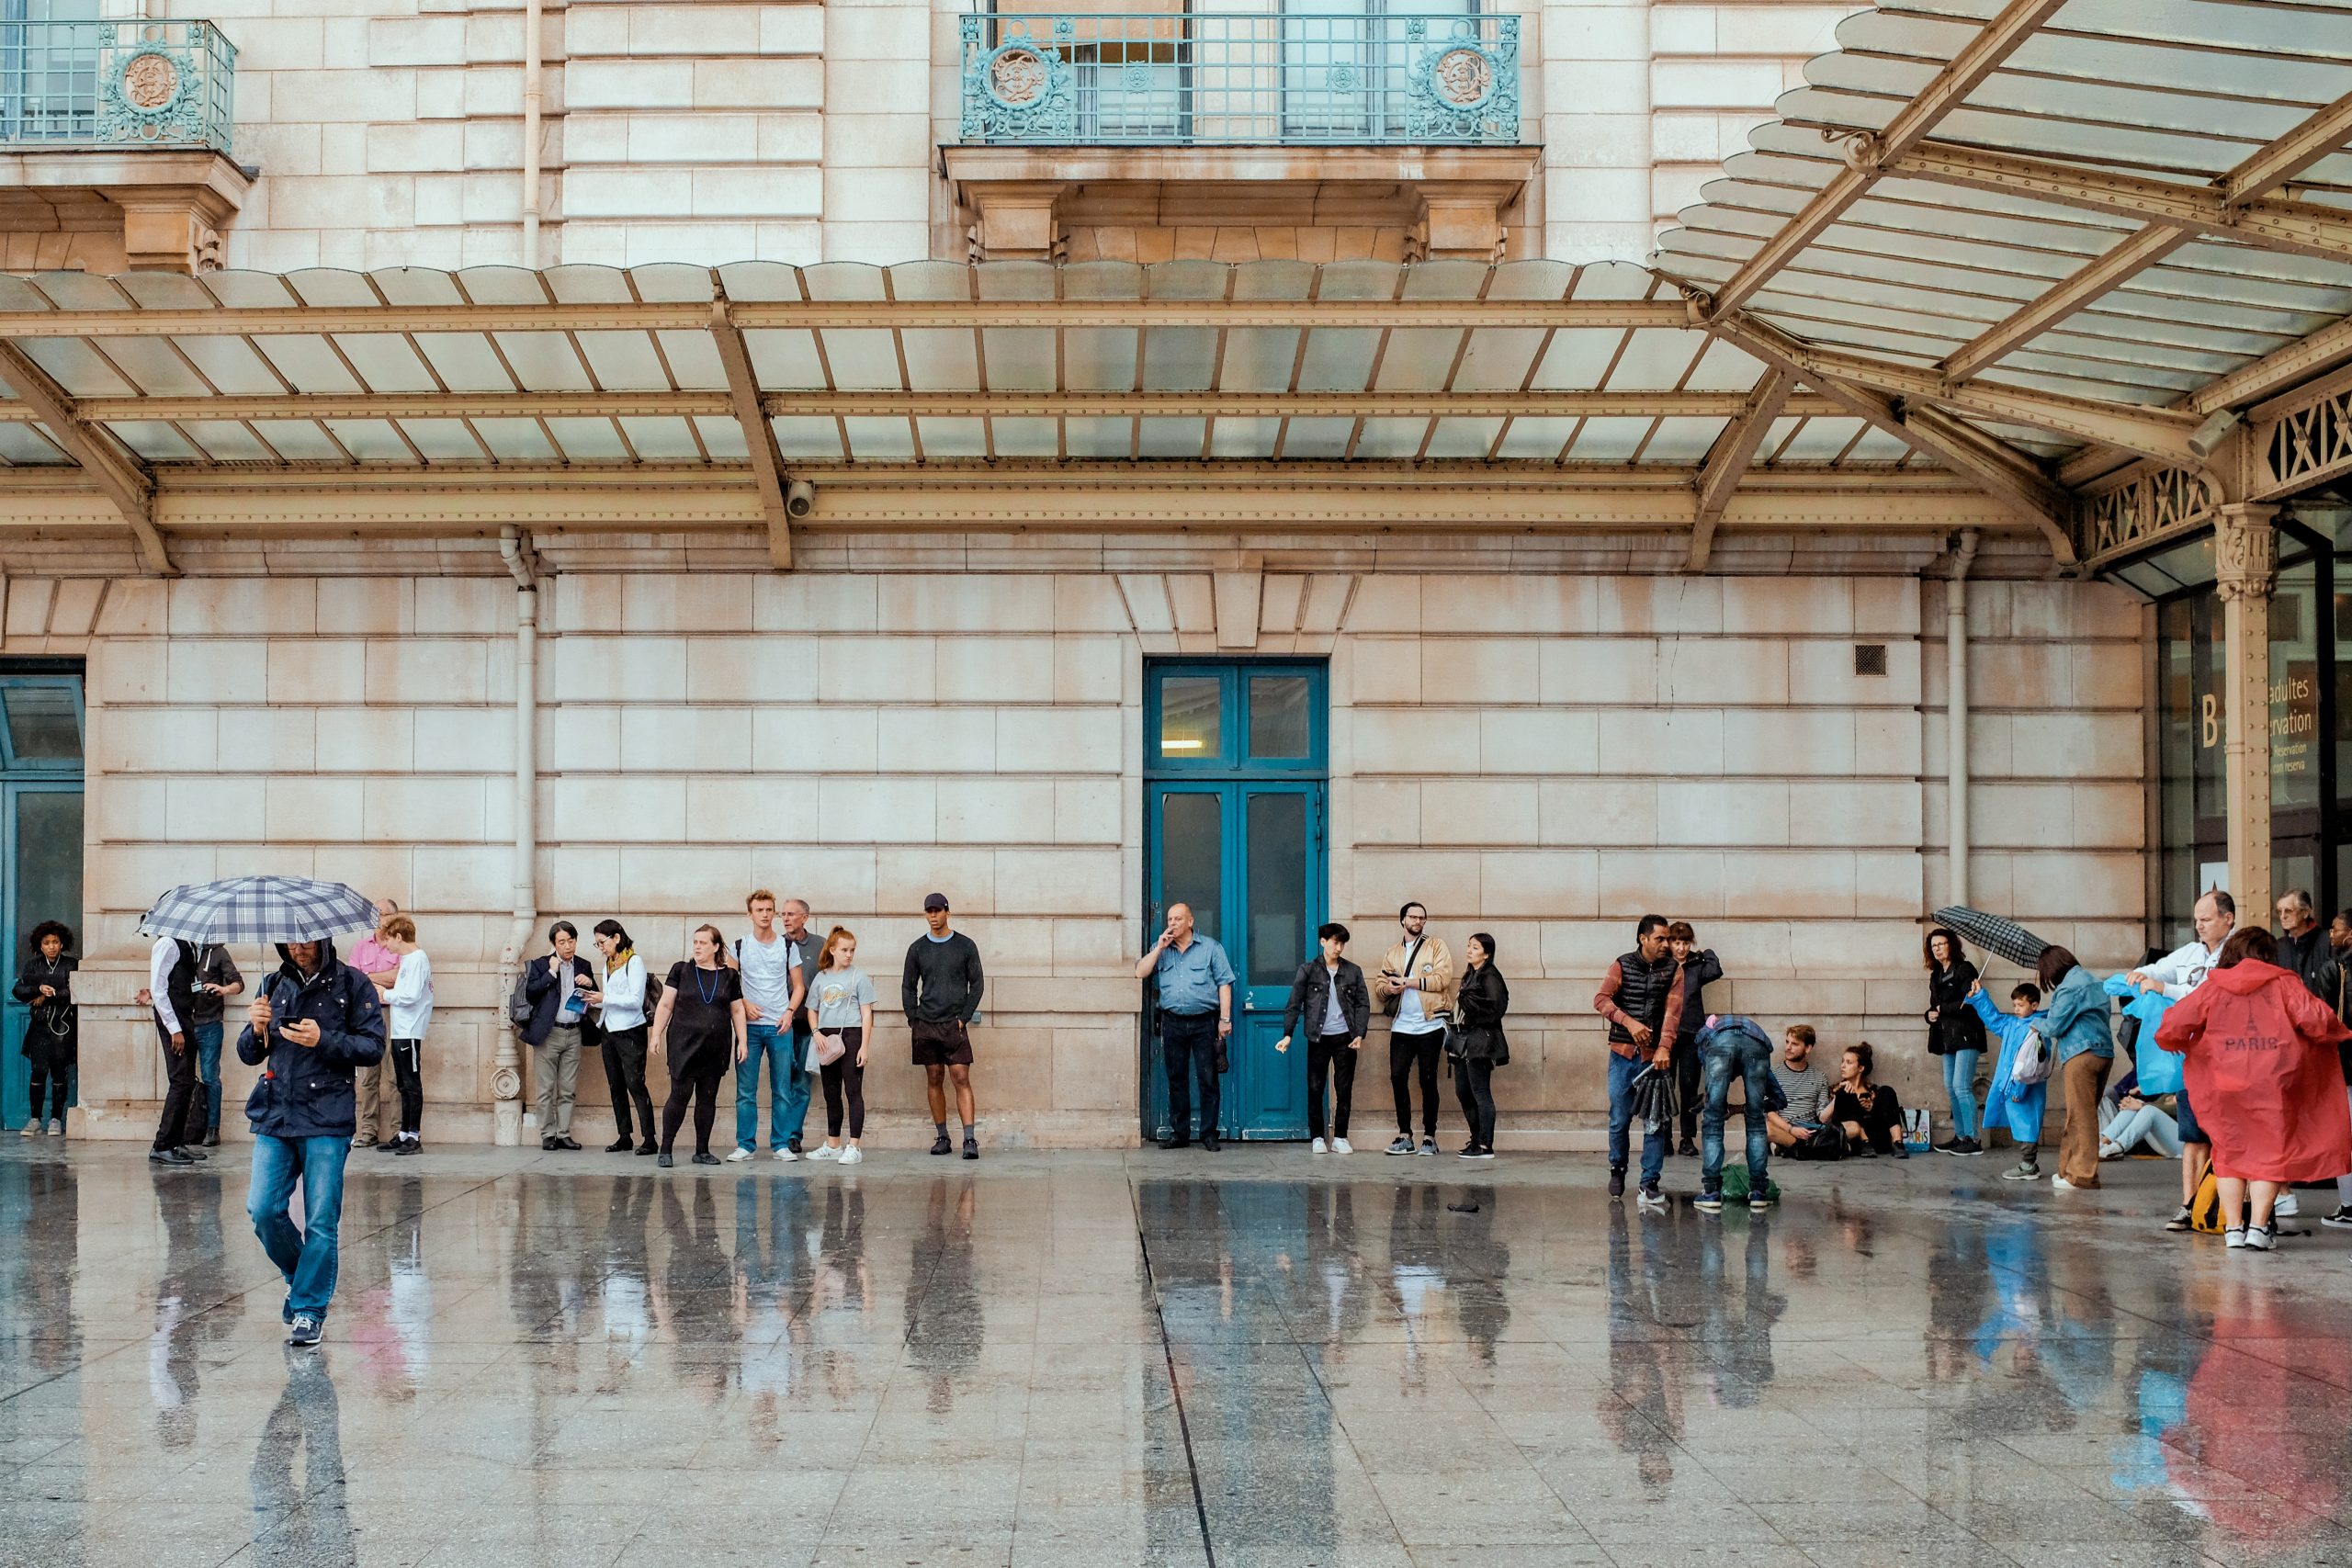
(260, 908)
(1995, 934)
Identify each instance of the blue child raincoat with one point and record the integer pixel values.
(2159, 1071)
(2015, 1106)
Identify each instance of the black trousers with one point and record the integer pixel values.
(624, 1055)
(183, 1117)
(408, 1074)
(1474, 1082)
(1188, 1048)
(60, 1080)
(1406, 1053)
(1328, 1057)
(1689, 1085)
(703, 1092)
(844, 1079)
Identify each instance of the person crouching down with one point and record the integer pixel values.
(314, 1023)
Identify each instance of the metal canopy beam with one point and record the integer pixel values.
(2291, 154)
(1983, 54)
(2127, 260)
(759, 437)
(931, 402)
(115, 472)
(2302, 227)
(1727, 462)
(763, 314)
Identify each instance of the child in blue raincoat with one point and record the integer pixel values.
(2159, 1070)
(2015, 1106)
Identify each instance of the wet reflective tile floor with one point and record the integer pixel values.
(1251, 1358)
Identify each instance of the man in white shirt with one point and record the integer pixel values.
(769, 965)
(2178, 973)
(170, 992)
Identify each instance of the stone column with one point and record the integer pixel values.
(2245, 554)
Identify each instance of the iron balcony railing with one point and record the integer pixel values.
(116, 83)
(1295, 74)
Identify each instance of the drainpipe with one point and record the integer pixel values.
(531, 23)
(506, 1070)
(1956, 712)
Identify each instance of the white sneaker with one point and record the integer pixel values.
(34, 1129)
(851, 1157)
(2109, 1151)
(822, 1151)
(1341, 1146)
(2235, 1236)
(1321, 1147)
(786, 1155)
(737, 1156)
(2062, 1185)
(2286, 1206)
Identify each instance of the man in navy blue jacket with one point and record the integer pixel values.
(312, 1022)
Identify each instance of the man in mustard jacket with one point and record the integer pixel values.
(1416, 989)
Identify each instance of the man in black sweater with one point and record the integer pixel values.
(941, 991)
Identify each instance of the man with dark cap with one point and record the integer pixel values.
(941, 991)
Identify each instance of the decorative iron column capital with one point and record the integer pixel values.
(2245, 551)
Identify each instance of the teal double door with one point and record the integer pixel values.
(41, 841)
(1234, 787)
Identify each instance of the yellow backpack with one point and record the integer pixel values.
(2205, 1213)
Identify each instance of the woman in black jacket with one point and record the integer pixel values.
(1478, 1008)
(45, 985)
(1328, 996)
(1956, 1035)
(1701, 968)
(1865, 1111)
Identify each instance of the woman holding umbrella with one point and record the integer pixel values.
(1955, 1035)
(46, 985)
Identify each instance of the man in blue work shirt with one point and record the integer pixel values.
(1195, 1017)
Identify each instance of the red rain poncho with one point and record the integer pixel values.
(2263, 1074)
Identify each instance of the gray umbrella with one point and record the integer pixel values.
(1996, 934)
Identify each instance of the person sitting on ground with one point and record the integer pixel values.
(2010, 1106)
(1803, 1084)
(2263, 1071)
(2135, 1121)
(1867, 1112)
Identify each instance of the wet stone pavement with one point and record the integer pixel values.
(1095, 1359)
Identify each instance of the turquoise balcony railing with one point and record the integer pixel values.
(1302, 76)
(116, 83)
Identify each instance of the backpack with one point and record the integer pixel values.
(1828, 1142)
(2205, 1212)
(519, 1006)
(652, 993)
(2032, 1065)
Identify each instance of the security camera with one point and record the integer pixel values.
(799, 499)
(2207, 438)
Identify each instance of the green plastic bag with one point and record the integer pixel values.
(1736, 1186)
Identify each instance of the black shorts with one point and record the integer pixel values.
(2186, 1119)
(945, 1043)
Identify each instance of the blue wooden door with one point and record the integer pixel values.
(1234, 822)
(40, 842)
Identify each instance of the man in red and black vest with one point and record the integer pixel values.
(1641, 998)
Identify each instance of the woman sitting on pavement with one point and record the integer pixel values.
(2082, 1050)
(1867, 1112)
(2263, 1075)
(2137, 1121)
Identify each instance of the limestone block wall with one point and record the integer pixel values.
(1546, 756)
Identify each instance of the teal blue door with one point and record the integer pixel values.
(1234, 814)
(41, 841)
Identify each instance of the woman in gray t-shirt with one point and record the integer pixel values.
(841, 1000)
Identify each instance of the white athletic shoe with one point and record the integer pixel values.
(2286, 1207)
(851, 1157)
(786, 1155)
(1321, 1147)
(2062, 1185)
(1341, 1146)
(824, 1151)
(738, 1155)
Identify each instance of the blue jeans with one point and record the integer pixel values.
(206, 1037)
(307, 1257)
(1960, 1088)
(1735, 1053)
(788, 1087)
(1622, 1071)
(2147, 1123)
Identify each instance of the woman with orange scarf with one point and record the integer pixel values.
(2261, 1052)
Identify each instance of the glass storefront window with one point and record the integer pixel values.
(2294, 691)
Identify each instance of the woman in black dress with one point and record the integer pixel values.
(1478, 1010)
(45, 984)
(1867, 1112)
(701, 1028)
(1956, 1035)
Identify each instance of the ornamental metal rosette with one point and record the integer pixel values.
(1461, 86)
(1022, 89)
(163, 83)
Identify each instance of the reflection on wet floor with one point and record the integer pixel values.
(1100, 1361)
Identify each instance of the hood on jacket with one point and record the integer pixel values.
(2248, 976)
(287, 967)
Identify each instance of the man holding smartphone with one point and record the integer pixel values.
(312, 1024)
(1416, 987)
(1196, 980)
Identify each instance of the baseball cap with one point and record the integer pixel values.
(935, 901)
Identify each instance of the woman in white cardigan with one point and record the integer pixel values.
(626, 1010)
